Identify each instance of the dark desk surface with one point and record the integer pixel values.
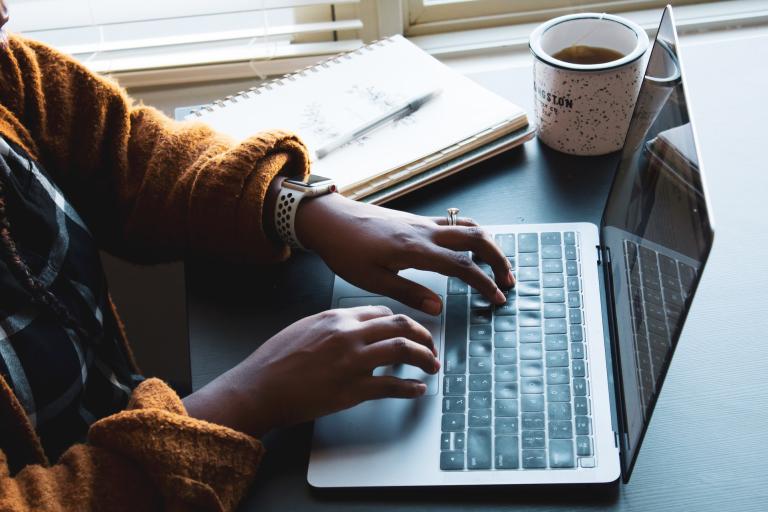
(707, 446)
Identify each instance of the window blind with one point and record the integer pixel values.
(117, 36)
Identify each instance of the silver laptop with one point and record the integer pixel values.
(541, 389)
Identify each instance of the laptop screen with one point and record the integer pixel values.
(657, 229)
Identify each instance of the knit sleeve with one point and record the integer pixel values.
(149, 188)
(152, 456)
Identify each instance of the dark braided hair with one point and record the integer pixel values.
(20, 270)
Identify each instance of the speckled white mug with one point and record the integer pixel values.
(584, 109)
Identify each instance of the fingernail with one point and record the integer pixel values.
(511, 279)
(437, 365)
(421, 388)
(431, 306)
(500, 297)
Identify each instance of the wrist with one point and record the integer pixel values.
(270, 204)
(313, 217)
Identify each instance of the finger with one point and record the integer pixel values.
(386, 386)
(394, 326)
(364, 313)
(388, 283)
(460, 221)
(480, 243)
(398, 351)
(459, 264)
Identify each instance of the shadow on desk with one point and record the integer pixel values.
(285, 464)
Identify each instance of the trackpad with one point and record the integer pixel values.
(432, 323)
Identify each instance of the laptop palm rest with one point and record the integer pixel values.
(432, 323)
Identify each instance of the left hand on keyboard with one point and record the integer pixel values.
(368, 245)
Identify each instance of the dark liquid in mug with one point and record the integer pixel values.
(581, 54)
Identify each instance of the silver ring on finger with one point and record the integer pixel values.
(453, 216)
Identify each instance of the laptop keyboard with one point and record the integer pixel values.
(658, 288)
(516, 382)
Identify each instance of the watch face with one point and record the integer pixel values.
(312, 181)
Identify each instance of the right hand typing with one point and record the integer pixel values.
(318, 365)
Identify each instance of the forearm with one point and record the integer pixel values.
(150, 189)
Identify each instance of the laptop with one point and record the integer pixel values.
(558, 385)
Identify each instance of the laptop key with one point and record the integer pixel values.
(480, 316)
(480, 332)
(528, 259)
(574, 300)
(506, 407)
(480, 365)
(532, 385)
(558, 375)
(531, 369)
(479, 400)
(506, 373)
(570, 252)
(480, 348)
(551, 252)
(550, 238)
(532, 403)
(577, 333)
(528, 242)
(534, 459)
(505, 323)
(505, 339)
(552, 266)
(560, 430)
(527, 288)
(530, 335)
(456, 334)
(529, 304)
(458, 440)
(506, 243)
(453, 422)
(555, 326)
(571, 268)
(454, 385)
(561, 453)
(559, 393)
(581, 405)
(505, 356)
(556, 342)
(583, 426)
(552, 280)
(574, 316)
(553, 295)
(557, 358)
(480, 383)
(503, 425)
(529, 318)
(477, 301)
(479, 448)
(554, 310)
(445, 441)
(454, 404)
(580, 387)
(505, 389)
(533, 421)
(533, 439)
(506, 309)
(573, 283)
(579, 368)
(479, 417)
(577, 350)
(452, 460)
(583, 446)
(531, 351)
(506, 454)
(569, 237)
(559, 411)
(456, 286)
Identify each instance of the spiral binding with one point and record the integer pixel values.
(276, 82)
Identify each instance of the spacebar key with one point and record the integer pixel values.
(456, 316)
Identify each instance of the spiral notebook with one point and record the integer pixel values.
(337, 95)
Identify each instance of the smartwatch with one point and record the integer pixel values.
(291, 194)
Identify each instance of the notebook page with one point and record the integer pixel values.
(331, 100)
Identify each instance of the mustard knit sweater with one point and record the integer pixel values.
(150, 190)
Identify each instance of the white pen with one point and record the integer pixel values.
(402, 110)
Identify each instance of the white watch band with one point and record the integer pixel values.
(285, 216)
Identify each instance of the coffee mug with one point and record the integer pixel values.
(587, 71)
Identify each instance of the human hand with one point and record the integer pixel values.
(318, 365)
(368, 245)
